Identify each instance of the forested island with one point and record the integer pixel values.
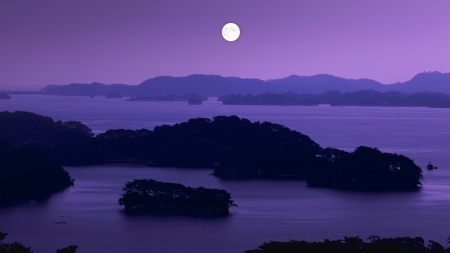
(4, 96)
(171, 97)
(354, 245)
(233, 147)
(27, 174)
(150, 196)
(365, 168)
(335, 98)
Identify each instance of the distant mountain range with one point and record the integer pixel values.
(214, 85)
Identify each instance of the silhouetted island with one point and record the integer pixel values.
(171, 97)
(335, 98)
(26, 175)
(236, 148)
(354, 245)
(4, 96)
(431, 166)
(147, 195)
(365, 168)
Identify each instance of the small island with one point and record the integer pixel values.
(27, 175)
(4, 96)
(150, 196)
(431, 166)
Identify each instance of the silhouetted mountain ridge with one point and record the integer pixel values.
(215, 85)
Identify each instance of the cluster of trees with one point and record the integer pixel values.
(335, 98)
(147, 195)
(354, 245)
(17, 247)
(234, 147)
(171, 97)
(35, 132)
(26, 175)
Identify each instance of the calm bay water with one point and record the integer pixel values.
(268, 210)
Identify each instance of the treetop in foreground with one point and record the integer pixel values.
(354, 245)
(17, 247)
(147, 195)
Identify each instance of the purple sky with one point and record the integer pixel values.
(64, 41)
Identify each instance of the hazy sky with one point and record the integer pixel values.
(65, 41)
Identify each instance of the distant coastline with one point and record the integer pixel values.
(170, 97)
(335, 98)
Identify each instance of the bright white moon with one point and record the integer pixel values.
(231, 32)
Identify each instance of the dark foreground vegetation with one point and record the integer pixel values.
(147, 195)
(335, 98)
(354, 245)
(17, 247)
(26, 175)
(234, 147)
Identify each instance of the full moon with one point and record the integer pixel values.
(231, 32)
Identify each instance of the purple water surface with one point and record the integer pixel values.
(268, 210)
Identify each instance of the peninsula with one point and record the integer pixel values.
(234, 147)
(27, 175)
